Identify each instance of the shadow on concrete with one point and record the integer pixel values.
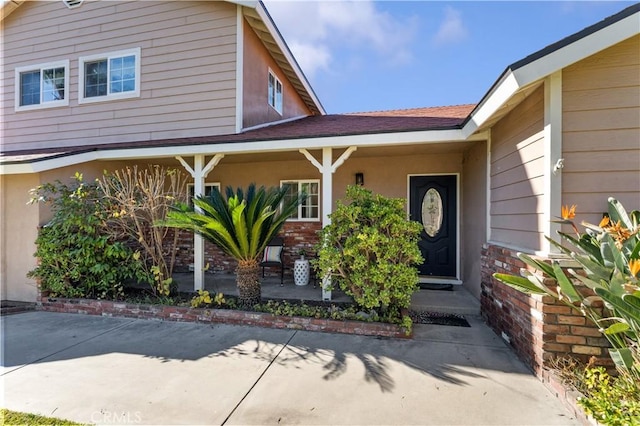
(445, 353)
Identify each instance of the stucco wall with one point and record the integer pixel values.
(188, 70)
(517, 175)
(601, 130)
(474, 214)
(255, 107)
(19, 232)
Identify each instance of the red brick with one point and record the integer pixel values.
(585, 331)
(556, 347)
(574, 340)
(573, 320)
(556, 309)
(556, 329)
(586, 350)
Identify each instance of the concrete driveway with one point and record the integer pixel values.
(123, 371)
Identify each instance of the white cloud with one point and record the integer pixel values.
(452, 29)
(314, 30)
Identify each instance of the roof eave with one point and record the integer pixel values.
(8, 6)
(280, 145)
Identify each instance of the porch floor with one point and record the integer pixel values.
(271, 288)
(455, 301)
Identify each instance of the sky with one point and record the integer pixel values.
(368, 55)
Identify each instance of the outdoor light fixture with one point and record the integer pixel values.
(359, 179)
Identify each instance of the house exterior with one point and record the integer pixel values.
(211, 87)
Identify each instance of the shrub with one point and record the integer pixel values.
(76, 256)
(610, 400)
(369, 249)
(138, 201)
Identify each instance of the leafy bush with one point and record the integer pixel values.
(610, 400)
(369, 249)
(609, 257)
(76, 256)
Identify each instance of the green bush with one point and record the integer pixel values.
(610, 400)
(76, 256)
(370, 249)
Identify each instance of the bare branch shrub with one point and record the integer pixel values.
(139, 199)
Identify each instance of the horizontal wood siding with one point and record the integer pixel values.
(188, 71)
(517, 175)
(601, 130)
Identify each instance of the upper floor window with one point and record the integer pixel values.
(42, 86)
(275, 92)
(310, 208)
(109, 76)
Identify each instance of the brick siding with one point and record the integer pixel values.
(537, 327)
(297, 235)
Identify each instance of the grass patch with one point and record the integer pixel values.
(10, 417)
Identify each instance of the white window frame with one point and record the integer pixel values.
(191, 189)
(108, 57)
(300, 182)
(273, 99)
(41, 68)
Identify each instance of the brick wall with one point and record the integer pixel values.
(297, 235)
(537, 327)
(204, 315)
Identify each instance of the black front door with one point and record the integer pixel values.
(433, 203)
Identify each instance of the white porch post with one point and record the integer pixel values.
(553, 157)
(199, 173)
(327, 169)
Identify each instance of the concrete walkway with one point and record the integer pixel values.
(122, 371)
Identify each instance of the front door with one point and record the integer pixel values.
(433, 203)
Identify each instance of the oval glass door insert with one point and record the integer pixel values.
(432, 213)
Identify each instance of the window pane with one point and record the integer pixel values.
(278, 100)
(122, 74)
(271, 93)
(53, 84)
(30, 88)
(290, 195)
(95, 78)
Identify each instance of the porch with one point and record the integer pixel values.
(450, 300)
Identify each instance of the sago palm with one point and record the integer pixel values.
(241, 225)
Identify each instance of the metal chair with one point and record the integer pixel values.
(273, 256)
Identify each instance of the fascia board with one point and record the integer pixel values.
(503, 91)
(378, 139)
(44, 165)
(578, 50)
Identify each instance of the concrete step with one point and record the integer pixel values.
(455, 301)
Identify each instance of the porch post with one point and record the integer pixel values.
(199, 173)
(198, 241)
(327, 168)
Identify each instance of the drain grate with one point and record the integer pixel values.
(438, 318)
